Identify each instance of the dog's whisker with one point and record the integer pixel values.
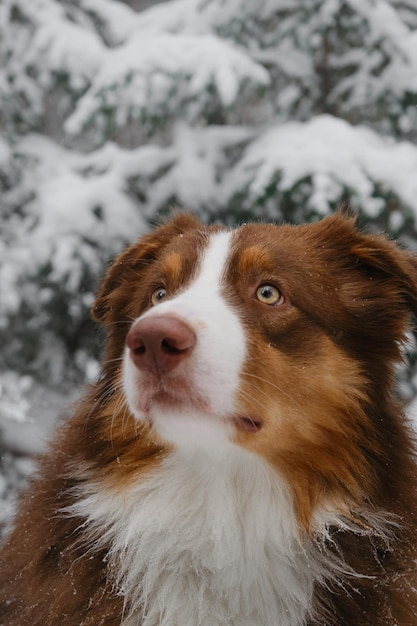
(279, 388)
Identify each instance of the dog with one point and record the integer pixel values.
(243, 459)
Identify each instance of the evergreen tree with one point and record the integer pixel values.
(234, 109)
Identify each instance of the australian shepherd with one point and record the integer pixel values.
(243, 459)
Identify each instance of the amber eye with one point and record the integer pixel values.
(158, 295)
(268, 294)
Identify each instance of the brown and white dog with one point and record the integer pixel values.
(243, 460)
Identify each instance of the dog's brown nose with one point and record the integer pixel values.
(160, 343)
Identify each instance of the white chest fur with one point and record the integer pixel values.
(208, 539)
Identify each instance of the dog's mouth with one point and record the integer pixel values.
(178, 395)
(248, 424)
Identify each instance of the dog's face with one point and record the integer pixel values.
(275, 338)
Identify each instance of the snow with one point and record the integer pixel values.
(75, 51)
(144, 73)
(4, 154)
(74, 213)
(59, 45)
(28, 414)
(115, 18)
(383, 20)
(412, 413)
(336, 156)
(176, 16)
(195, 178)
(402, 74)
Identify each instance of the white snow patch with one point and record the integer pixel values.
(144, 74)
(336, 156)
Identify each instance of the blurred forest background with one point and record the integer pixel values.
(111, 112)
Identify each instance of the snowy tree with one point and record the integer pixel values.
(234, 109)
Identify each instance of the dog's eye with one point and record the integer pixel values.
(268, 294)
(158, 295)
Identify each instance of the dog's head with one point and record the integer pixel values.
(281, 339)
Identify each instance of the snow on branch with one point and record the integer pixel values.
(335, 156)
(157, 75)
(45, 42)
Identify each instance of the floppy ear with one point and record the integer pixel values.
(386, 260)
(133, 261)
(375, 256)
(377, 280)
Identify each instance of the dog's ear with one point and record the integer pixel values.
(377, 278)
(385, 261)
(134, 260)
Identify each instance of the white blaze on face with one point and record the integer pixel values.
(212, 370)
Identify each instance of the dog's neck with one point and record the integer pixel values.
(208, 538)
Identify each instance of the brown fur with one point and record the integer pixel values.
(321, 372)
